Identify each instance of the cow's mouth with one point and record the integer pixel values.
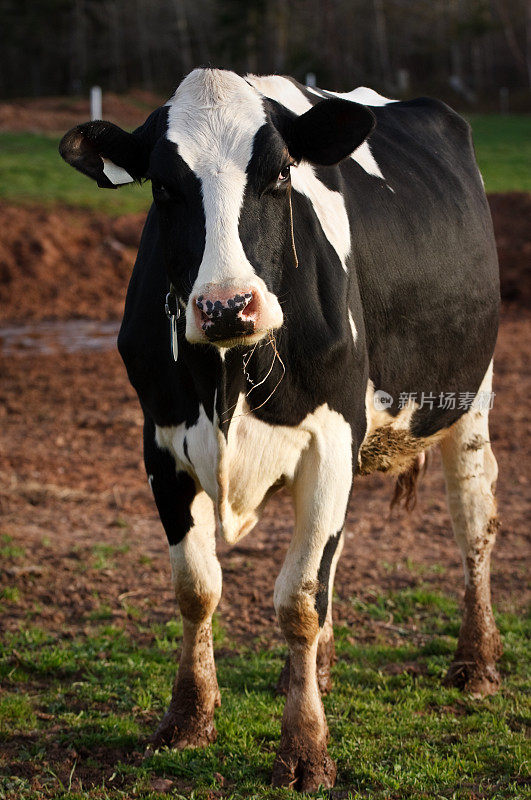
(228, 329)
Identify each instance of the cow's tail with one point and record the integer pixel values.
(406, 483)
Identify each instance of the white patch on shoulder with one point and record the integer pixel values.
(364, 157)
(115, 174)
(213, 118)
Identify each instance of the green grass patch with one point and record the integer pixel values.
(77, 714)
(104, 554)
(10, 551)
(33, 172)
(503, 151)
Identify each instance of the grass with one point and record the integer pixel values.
(503, 150)
(33, 172)
(74, 715)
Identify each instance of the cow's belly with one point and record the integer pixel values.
(241, 471)
(388, 445)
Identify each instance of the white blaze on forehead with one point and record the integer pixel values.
(213, 118)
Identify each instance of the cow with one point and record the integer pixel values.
(316, 295)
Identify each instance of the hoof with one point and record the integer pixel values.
(479, 680)
(324, 679)
(304, 768)
(179, 733)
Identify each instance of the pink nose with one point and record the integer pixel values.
(227, 314)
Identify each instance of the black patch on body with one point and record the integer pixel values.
(323, 576)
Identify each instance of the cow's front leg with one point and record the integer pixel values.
(301, 601)
(326, 653)
(189, 522)
(196, 573)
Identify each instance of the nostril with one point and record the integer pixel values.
(250, 310)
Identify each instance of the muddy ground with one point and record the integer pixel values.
(73, 491)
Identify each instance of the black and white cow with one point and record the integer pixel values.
(315, 274)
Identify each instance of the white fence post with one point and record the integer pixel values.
(95, 102)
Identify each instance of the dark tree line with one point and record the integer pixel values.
(469, 48)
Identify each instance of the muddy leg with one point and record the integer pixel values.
(302, 593)
(189, 721)
(326, 652)
(470, 471)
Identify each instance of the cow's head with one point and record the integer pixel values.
(219, 156)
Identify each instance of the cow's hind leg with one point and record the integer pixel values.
(302, 594)
(470, 470)
(189, 522)
(326, 652)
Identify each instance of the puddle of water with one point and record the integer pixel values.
(51, 338)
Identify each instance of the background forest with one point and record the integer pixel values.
(474, 53)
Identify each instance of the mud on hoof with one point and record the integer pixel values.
(180, 731)
(477, 679)
(304, 767)
(324, 678)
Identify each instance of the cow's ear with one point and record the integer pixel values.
(106, 153)
(330, 131)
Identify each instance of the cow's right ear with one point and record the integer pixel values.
(106, 153)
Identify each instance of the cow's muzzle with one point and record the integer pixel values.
(231, 316)
(227, 319)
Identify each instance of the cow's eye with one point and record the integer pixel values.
(284, 173)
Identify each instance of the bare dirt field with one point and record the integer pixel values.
(72, 483)
(51, 114)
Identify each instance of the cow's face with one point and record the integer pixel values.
(219, 157)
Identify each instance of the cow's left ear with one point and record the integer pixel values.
(330, 131)
(106, 153)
